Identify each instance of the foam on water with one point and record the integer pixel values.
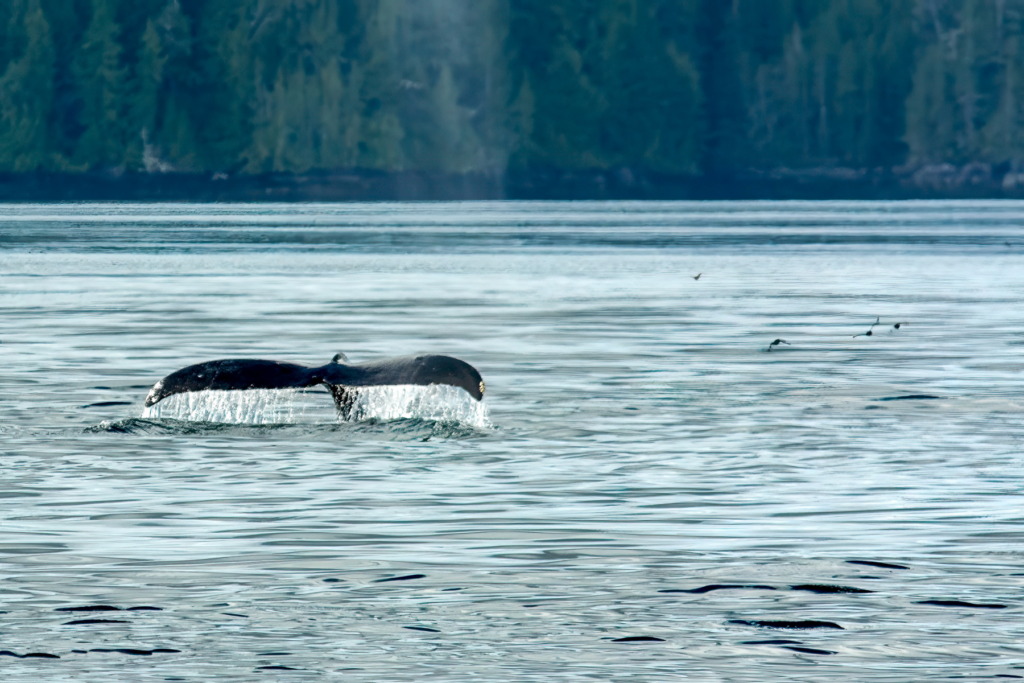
(438, 403)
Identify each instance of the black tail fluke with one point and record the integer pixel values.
(232, 374)
(422, 370)
(243, 374)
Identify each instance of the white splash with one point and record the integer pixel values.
(439, 403)
(256, 406)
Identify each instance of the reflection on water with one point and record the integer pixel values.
(645, 493)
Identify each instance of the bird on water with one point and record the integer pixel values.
(878, 321)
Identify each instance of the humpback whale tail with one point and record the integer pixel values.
(339, 376)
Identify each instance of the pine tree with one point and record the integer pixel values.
(99, 77)
(931, 131)
(719, 64)
(26, 94)
(225, 85)
(381, 128)
(179, 115)
(143, 103)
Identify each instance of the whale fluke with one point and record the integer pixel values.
(242, 374)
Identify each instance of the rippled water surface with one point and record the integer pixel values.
(640, 468)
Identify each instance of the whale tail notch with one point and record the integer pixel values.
(338, 375)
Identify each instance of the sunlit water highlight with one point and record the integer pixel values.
(636, 438)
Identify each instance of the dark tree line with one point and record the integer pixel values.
(671, 86)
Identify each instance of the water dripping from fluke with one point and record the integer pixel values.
(253, 407)
(433, 403)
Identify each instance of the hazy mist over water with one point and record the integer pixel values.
(636, 438)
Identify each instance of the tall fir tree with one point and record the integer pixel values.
(143, 104)
(100, 79)
(26, 93)
(719, 64)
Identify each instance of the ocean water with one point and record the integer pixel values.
(642, 467)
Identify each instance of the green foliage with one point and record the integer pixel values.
(966, 99)
(835, 92)
(666, 86)
(26, 91)
(604, 88)
(99, 78)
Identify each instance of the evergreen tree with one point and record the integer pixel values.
(178, 115)
(226, 84)
(100, 80)
(26, 93)
(719, 64)
(379, 84)
(669, 86)
(143, 103)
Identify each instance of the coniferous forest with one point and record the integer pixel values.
(674, 88)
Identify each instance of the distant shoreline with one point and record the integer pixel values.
(939, 181)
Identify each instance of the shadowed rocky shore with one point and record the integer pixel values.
(938, 181)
